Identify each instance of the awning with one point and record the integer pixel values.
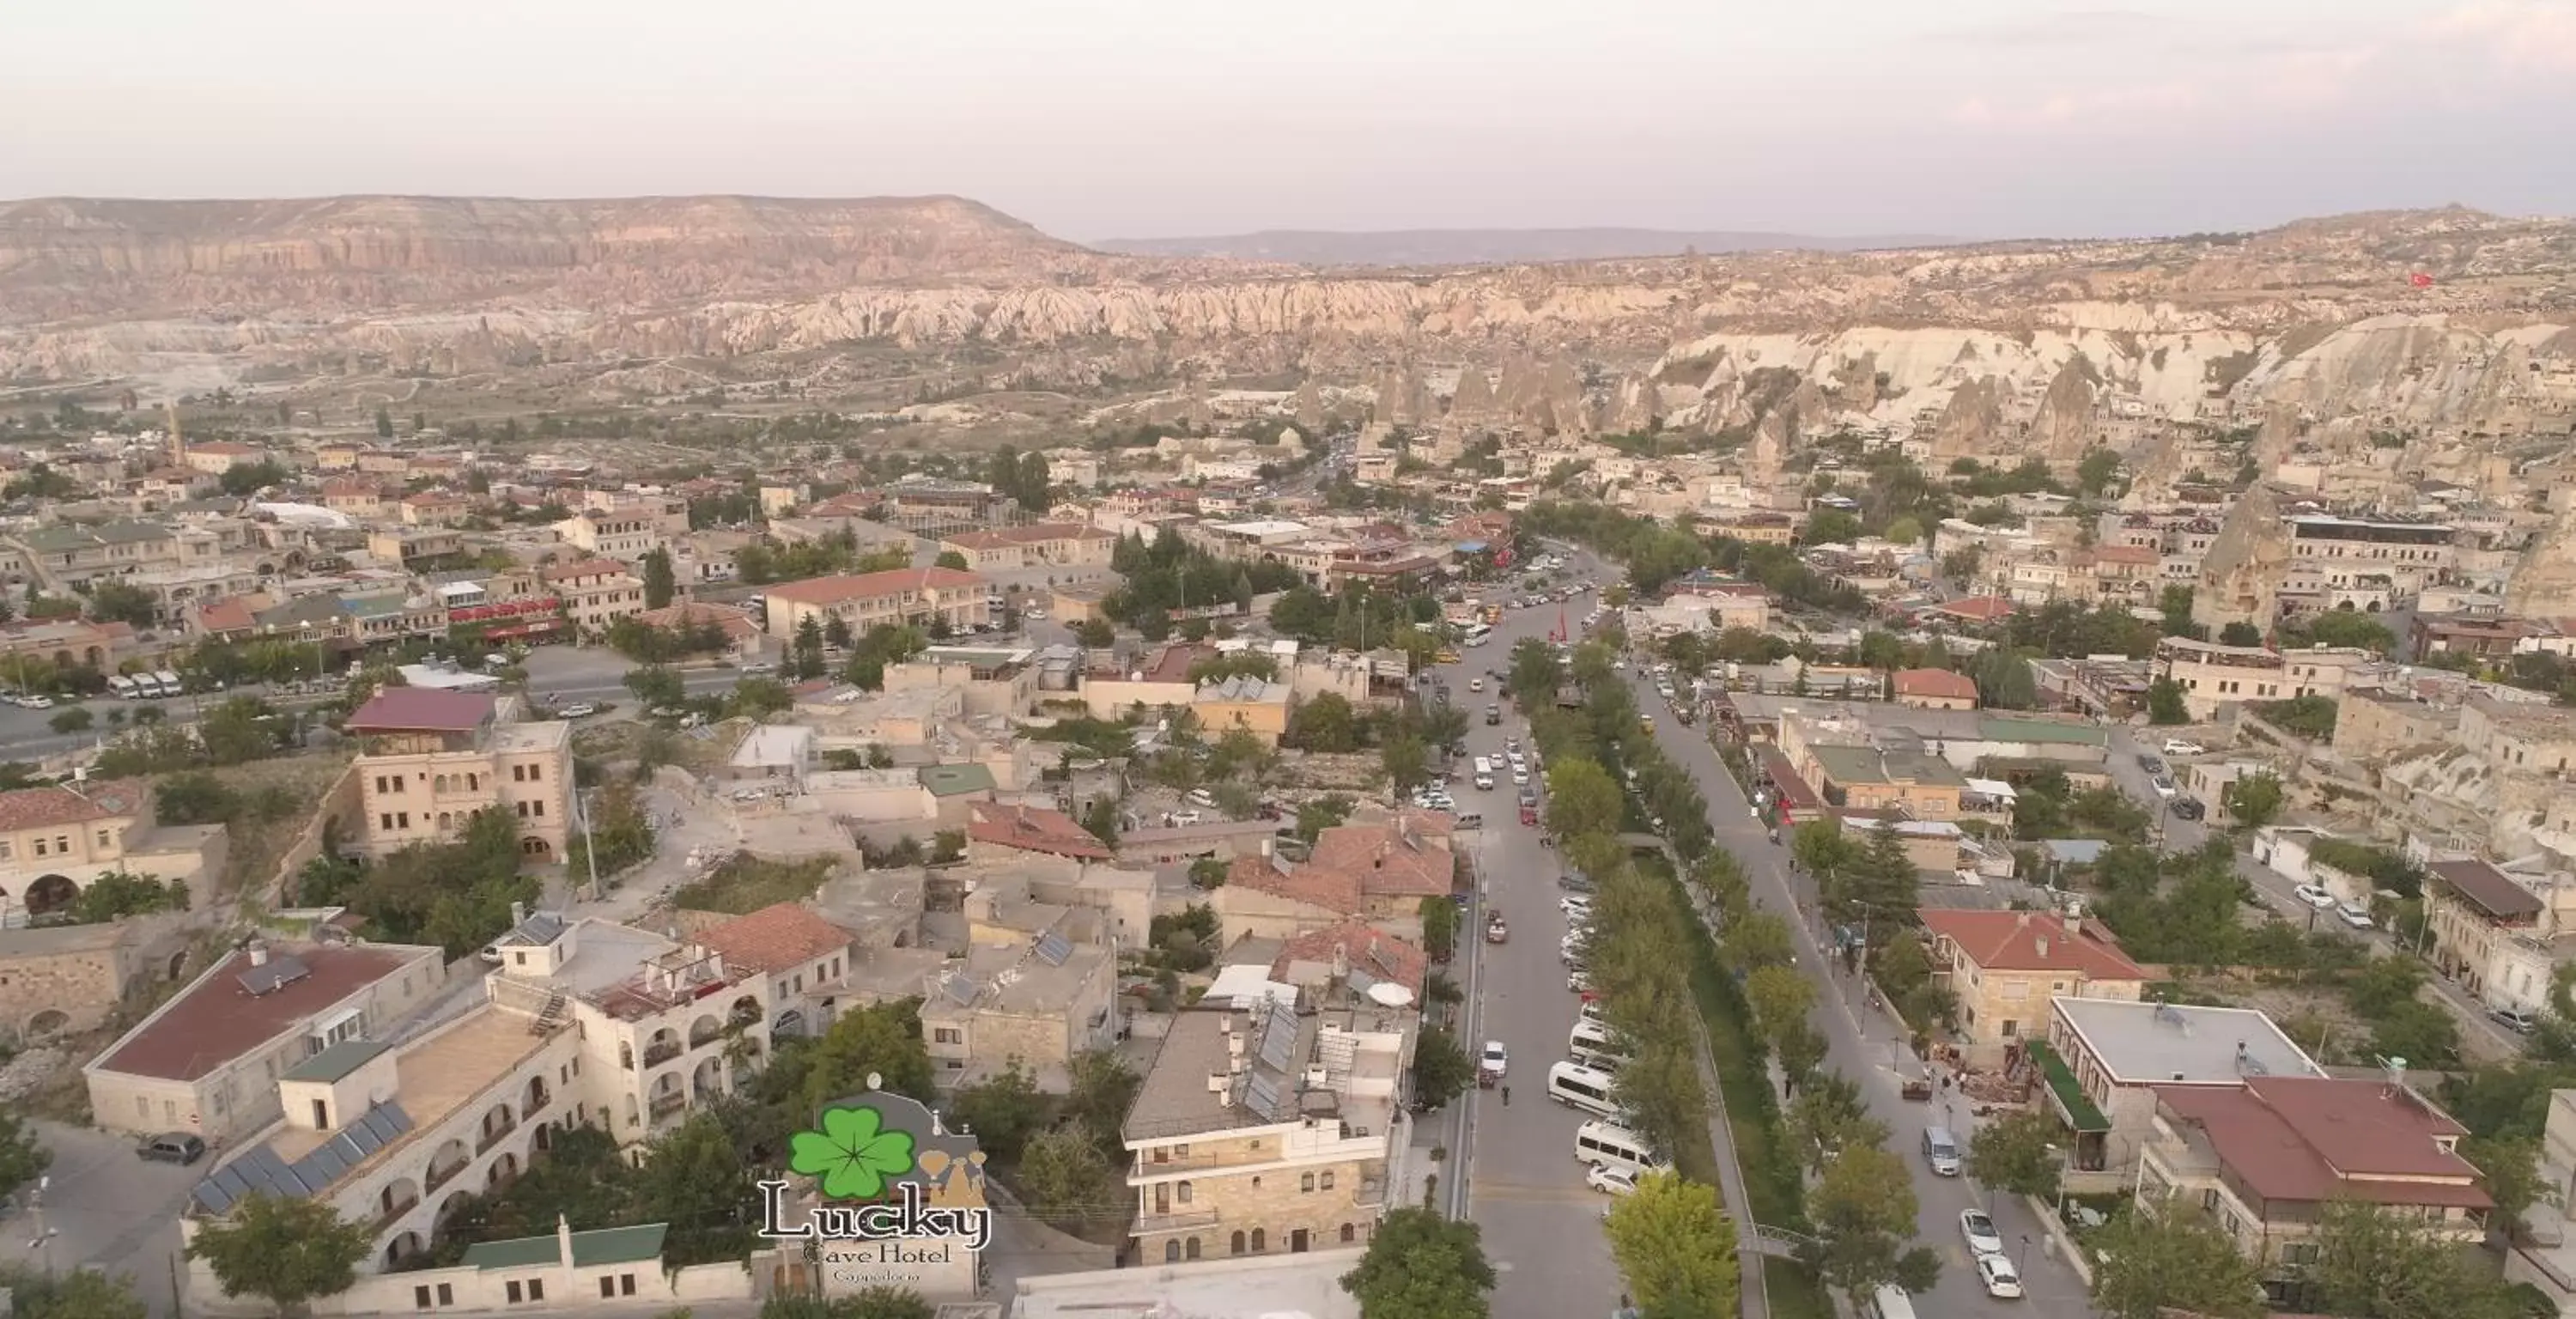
(1993, 788)
(2073, 1106)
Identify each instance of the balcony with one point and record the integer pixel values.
(439, 1177)
(660, 1052)
(1195, 1219)
(494, 1137)
(388, 1218)
(665, 1105)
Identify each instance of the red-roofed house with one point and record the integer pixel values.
(1039, 545)
(1379, 871)
(429, 759)
(806, 958)
(863, 600)
(436, 508)
(2266, 1158)
(595, 592)
(1935, 689)
(1032, 829)
(742, 636)
(1320, 956)
(1980, 609)
(56, 841)
(2005, 966)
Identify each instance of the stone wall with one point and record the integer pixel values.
(72, 978)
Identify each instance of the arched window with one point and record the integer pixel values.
(1236, 1246)
(1171, 1252)
(1328, 1179)
(1348, 1233)
(1193, 1251)
(1182, 1193)
(1258, 1244)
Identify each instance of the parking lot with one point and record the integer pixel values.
(105, 1209)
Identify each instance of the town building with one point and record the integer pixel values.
(2500, 937)
(1934, 689)
(2006, 966)
(56, 841)
(864, 600)
(1038, 545)
(2099, 1061)
(429, 760)
(595, 592)
(2213, 676)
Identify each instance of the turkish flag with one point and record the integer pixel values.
(2420, 280)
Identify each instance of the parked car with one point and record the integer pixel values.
(1493, 1063)
(2354, 915)
(1610, 1180)
(2188, 808)
(177, 1147)
(2150, 764)
(2314, 896)
(2164, 786)
(576, 710)
(2177, 747)
(2002, 1281)
(2518, 1020)
(1983, 1238)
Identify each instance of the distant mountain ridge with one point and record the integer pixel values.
(1458, 247)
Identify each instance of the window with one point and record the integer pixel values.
(1258, 1243)
(1182, 1193)
(420, 1298)
(40, 847)
(1192, 1251)
(541, 809)
(102, 834)
(384, 820)
(536, 1289)
(446, 1294)
(515, 1297)
(1235, 1247)
(1306, 1182)
(1328, 1179)
(947, 1035)
(1171, 1252)
(626, 1284)
(607, 1287)
(1348, 1233)
(402, 819)
(536, 773)
(518, 773)
(4, 849)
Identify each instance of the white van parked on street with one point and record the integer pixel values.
(1610, 1144)
(1578, 1086)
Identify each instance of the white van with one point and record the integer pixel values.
(170, 683)
(1578, 1086)
(1594, 1045)
(121, 687)
(1614, 1146)
(1485, 772)
(1888, 1302)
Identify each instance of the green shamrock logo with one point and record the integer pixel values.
(854, 1156)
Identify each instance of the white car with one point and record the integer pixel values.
(577, 710)
(1494, 1060)
(1609, 1180)
(1980, 1231)
(36, 701)
(2353, 914)
(1475, 684)
(2178, 747)
(2002, 1281)
(2315, 896)
(1034, 615)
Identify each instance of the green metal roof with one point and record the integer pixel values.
(1848, 765)
(950, 780)
(335, 1062)
(1999, 728)
(2072, 1103)
(607, 1245)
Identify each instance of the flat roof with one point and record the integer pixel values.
(2168, 1043)
(1174, 1098)
(439, 1075)
(1287, 1286)
(218, 1019)
(335, 1062)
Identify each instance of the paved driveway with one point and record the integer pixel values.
(107, 1210)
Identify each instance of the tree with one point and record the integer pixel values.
(2096, 470)
(656, 687)
(1780, 998)
(2165, 705)
(2015, 1154)
(22, 1159)
(661, 585)
(77, 719)
(1828, 1116)
(1442, 1070)
(951, 559)
(694, 1180)
(2172, 1257)
(1675, 1246)
(1003, 1110)
(1422, 1266)
(2372, 1264)
(1096, 633)
(2254, 799)
(1407, 762)
(79, 1294)
(118, 602)
(1862, 1216)
(1757, 939)
(2344, 627)
(884, 1041)
(1904, 531)
(1582, 799)
(384, 424)
(1063, 1173)
(1439, 928)
(2240, 634)
(284, 1251)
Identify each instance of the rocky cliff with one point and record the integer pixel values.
(2042, 347)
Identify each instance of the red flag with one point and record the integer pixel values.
(2420, 280)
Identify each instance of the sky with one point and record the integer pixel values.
(1151, 118)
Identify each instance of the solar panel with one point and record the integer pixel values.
(1054, 948)
(262, 1172)
(1279, 1038)
(1261, 1095)
(274, 974)
(959, 990)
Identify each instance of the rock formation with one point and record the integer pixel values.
(2244, 564)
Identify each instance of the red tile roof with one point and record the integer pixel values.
(1362, 948)
(1977, 608)
(2312, 1138)
(2491, 889)
(2031, 941)
(2137, 555)
(1330, 889)
(871, 585)
(46, 808)
(736, 624)
(1033, 829)
(1940, 683)
(217, 1020)
(422, 710)
(1387, 860)
(774, 938)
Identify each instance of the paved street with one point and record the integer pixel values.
(1869, 1050)
(1542, 1224)
(107, 1210)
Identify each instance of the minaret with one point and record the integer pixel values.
(178, 446)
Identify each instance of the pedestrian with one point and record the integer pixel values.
(1507, 1096)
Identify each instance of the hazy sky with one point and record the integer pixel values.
(1133, 118)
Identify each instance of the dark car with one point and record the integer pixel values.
(2189, 808)
(1493, 714)
(2150, 764)
(171, 1147)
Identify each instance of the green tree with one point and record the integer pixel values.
(22, 1157)
(1758, 939)
(2176, 1258)
(656, 687)
(1100, 1090)
(951, 559)
(284, 1251)
(661, 585)
(2096, 470)
(2343, 627)
(2254, 799)
(1442, 1070)
(2016, 1154)
(1780, 998)
(1064, 1174)
(1675, 1247)
(1534, 675)
(2174, 604)
(1420, 1265)
(1407, 762)
(1003, 1110)
(1828, 1116)
(1582, 799)
(2165, 705)
(884, 1041)
(695, 1180)
(117, 602)
(384, 424)
(77, 719)
(2372, 1264)
(2240, 634)
(1904, 530)
(1326, 723)
(79, 1294)
(1439, 928)
(1095, 633)
(1862, 1216)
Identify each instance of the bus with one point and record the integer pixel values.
(1476, 634)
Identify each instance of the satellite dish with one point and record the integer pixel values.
(1388, 994)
